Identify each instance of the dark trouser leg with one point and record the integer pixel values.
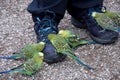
(38, 7)
(81, 11)
(46, 15)
(79, 7)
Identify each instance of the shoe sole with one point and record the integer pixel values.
(55, 61)
(101, 41)
(98, 40)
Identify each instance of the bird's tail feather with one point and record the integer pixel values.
(83, 64)
(71, 55)
(13, 70)
(11, 57)
(92, 42)
(6, 72)
(87, 42)
(8, 57)
(9, 71)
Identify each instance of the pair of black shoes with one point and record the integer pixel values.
(47, 24)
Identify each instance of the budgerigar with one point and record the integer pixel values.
(72, 39)
(62, 47)
(115, 16)
(27, 51)
(105, 21)
(30, 67)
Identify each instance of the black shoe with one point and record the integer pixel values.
(43, 27)
(97, 33)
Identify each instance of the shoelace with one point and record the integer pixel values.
(46, 26)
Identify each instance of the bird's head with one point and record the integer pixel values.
(38, 57)
(65, 33)
(41, 55)
(50, 36)
(41, 43)
(40, 46)
(94, 14)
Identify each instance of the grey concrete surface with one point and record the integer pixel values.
(16, 31)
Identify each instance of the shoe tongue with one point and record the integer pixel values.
(49, 24)
(47, 27)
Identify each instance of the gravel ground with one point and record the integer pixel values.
(16, 30)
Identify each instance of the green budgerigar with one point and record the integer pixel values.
(29, 67)
(62, 47)
(72, 39)
(27, 51)
(105, 21)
